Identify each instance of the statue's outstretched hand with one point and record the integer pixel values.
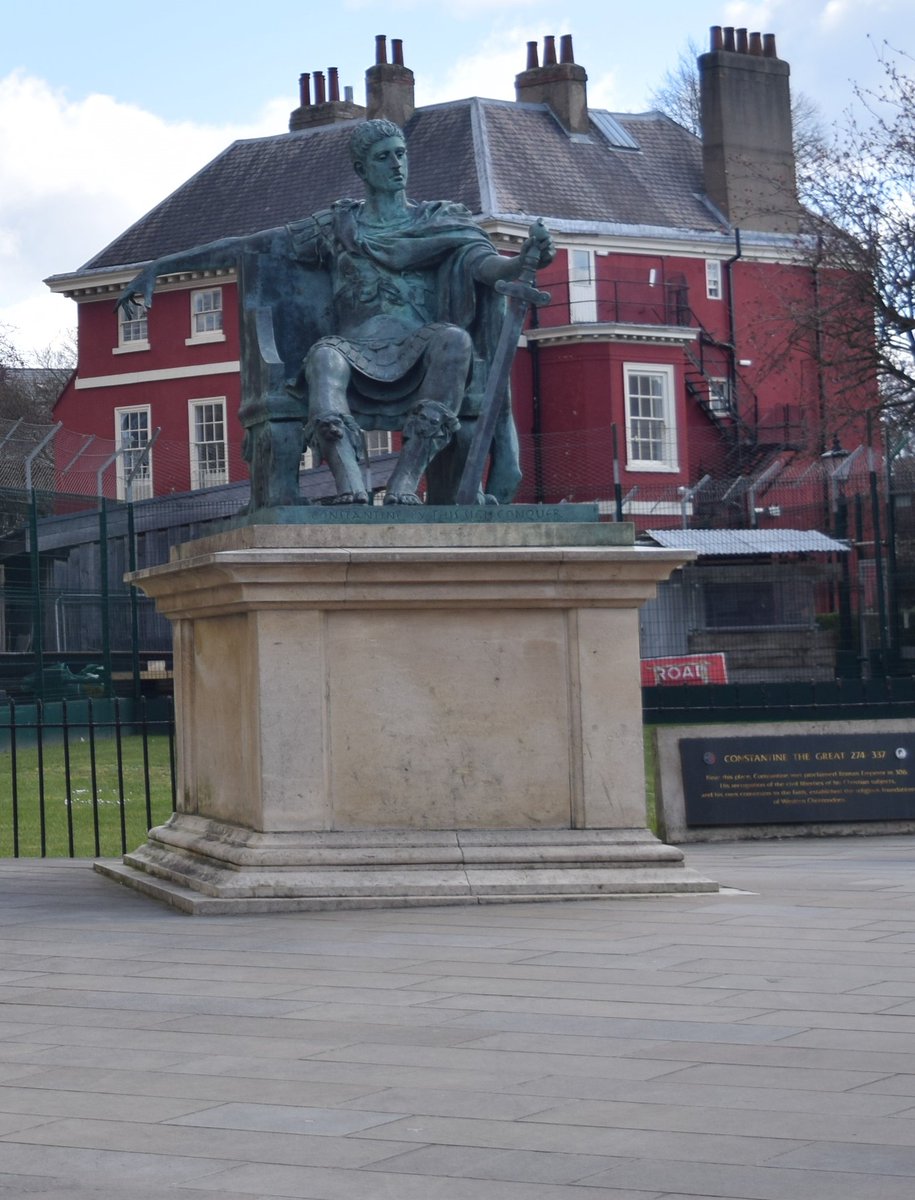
(137, 296)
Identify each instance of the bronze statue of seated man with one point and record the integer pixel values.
(411, 326)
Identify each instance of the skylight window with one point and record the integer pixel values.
(613, 131)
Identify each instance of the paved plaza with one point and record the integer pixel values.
(758, 1044)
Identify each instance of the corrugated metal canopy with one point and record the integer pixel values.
(748, 541)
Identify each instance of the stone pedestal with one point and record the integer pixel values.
(431, 714)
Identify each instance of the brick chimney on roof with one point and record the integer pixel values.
(562, 84)
(389, 89)
(747, 142)
(328, 108)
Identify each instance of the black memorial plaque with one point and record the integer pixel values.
(798, 779)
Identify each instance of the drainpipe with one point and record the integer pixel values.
(818, 345)
(732, 324)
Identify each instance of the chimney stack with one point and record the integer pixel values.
(561, 85)
(328, 108)
(747, 143)
(389, 86)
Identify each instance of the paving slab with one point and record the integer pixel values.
(757, 1044)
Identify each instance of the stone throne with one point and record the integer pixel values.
(284, 309)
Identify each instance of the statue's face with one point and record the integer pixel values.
(384, 168)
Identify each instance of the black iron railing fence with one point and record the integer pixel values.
(84, 778)
(884, 698)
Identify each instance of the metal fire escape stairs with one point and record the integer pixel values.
(705, 372)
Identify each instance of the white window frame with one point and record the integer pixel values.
(582, 286)
(133, 335)
(713, 290)
(142, 488)
(205, 311)
(719, 394)
(378, 441)
(641, 427)
(201, 476)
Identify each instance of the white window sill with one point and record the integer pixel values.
(642, 468)
(202, 339)
(131, 348)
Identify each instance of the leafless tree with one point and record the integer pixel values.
(29, 387)
(859, 239)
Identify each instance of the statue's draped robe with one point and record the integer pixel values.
(393, 286)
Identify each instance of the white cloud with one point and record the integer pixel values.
(490, 71)
(604, 92)
(747, 15)
(73, 175)
(835, 12)
(466, 9)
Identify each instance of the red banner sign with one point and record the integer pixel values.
(684, 669)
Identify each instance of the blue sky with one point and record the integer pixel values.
(104, 109)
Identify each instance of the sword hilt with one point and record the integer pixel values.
(522, 291)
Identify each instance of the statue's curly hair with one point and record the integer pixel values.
(367, 133)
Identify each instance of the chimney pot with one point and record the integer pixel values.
(742, 42)
(769, 45)
(320, 97)
(333, 84)
(562, 85)
(305, 90)
(756, 44)
(729, 37)
(717, 39)
(389, 87)
(348, 94)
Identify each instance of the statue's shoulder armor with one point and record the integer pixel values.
(312, 236)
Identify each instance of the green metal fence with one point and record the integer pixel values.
(84, 777)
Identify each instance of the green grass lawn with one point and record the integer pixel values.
(117, 799)
(108, 791)
(650, 798)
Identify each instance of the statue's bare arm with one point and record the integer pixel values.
(138, 294)
(537, 251)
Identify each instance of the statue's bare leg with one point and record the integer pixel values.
(331, 427)
(433, 420)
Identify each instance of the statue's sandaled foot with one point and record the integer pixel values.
(402, 498)
(348, 498)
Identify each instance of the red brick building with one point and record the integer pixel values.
(667, 335)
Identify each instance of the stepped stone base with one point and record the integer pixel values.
(202, 867)
(435, 714)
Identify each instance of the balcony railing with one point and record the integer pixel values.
(620, 302)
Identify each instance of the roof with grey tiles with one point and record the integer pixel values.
(497, 157)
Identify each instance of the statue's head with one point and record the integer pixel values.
(366, 134)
